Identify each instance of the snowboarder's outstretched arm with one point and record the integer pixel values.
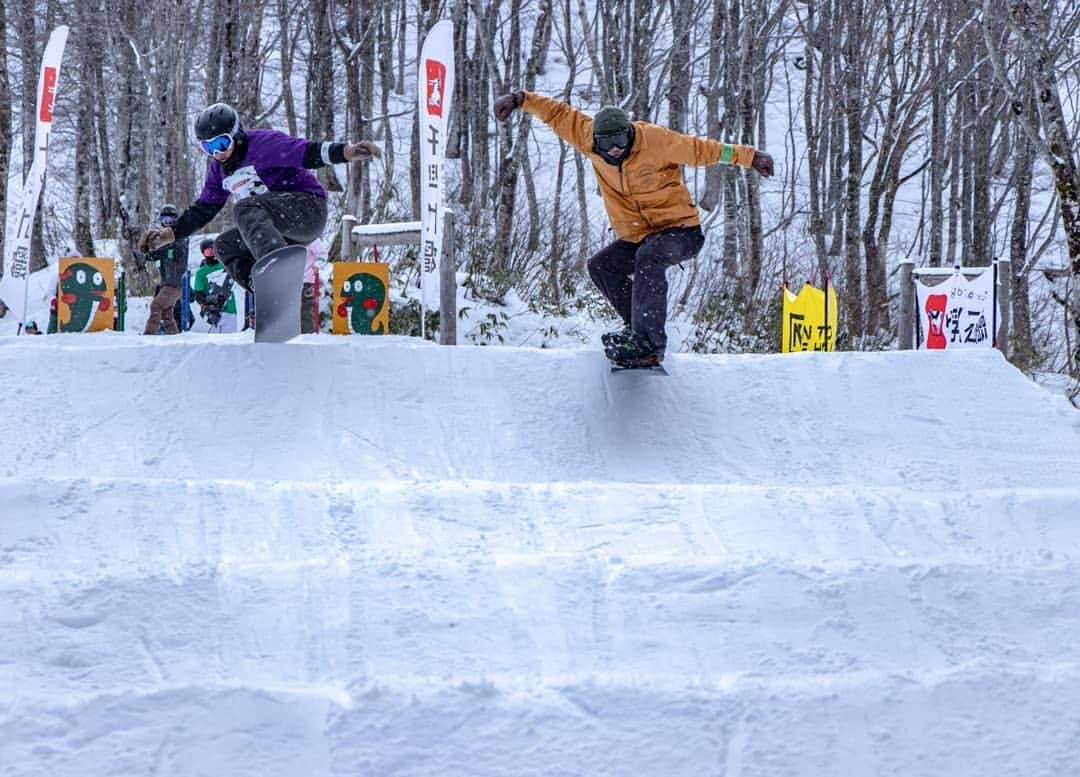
(701, 152)
(321, 154)
(567, 122)
(576, 127)
(197, 215)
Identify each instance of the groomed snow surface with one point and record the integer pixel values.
(376, 556)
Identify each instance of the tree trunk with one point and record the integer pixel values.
(559, 244)
(1048, 130)
(714, 179)
(679, 90)
(984, 123)
(512, 162)
(938, 119)
(288, 50)
(1021, 347)
(84, 148)
(133, 197)
(5, 130)
(854, 99)
(814, 123)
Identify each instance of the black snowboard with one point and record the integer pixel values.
(616, 348)
(656, 369)
(278, 279)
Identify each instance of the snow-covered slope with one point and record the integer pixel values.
(350, 556)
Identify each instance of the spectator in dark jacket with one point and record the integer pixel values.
(173, 264)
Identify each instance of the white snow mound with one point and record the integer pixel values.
(374, 556)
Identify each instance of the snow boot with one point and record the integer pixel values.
(631, 350)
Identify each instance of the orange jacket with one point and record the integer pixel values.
(645, 194)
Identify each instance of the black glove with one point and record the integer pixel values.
(763, 163)
(507, 104)
(362, 151)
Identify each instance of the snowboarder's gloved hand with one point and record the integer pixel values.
(155, 237)
(507, 104)
(763, 164)
(362, 151)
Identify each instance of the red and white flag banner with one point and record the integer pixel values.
(14, 286)
(436, 90)
(958, 312)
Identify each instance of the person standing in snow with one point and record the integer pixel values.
(638, 167)
(278, 200)
(172, 263)
(309, 317)
(212, 289)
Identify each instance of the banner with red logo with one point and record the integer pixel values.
(436, 79)
(960, 312)
(14, 286)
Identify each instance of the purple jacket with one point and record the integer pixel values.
(277, 160)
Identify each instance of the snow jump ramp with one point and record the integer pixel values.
(349, 556)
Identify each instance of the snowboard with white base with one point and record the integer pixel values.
(277, 279)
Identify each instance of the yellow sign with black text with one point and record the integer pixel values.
(809, 320)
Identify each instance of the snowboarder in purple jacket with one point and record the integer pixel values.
(278, 200)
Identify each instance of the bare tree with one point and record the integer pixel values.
(678, 94)
(357, 42)
(5, 124)
(1022, 348)
(320, 75)
(853, 105)
(940, 41)
(901, 89)
(84, 145)
(514, 75)
(289, 36)
(1038, 49)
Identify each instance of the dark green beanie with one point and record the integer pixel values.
(610, 120)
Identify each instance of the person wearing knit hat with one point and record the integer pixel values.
(638, 167)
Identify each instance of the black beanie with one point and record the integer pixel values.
(610, 120)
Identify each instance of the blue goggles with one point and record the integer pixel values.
(168, 220)
(219, 143)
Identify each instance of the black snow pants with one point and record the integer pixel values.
(633, 277)
(266, 222)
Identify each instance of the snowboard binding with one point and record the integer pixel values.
(630, 350)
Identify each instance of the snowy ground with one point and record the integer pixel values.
(377, 556)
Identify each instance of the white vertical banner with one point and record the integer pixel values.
(958, 313)
(14, 287)
(436, 82)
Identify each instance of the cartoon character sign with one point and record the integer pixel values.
(360, 298)
(85, 295)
